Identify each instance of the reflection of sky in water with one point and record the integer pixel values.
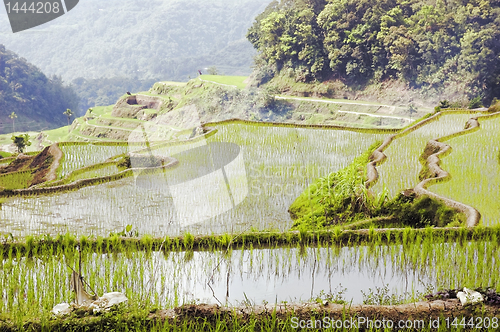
(272, 275)
(268, 275)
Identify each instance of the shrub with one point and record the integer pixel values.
(475, 103)
(444, 104)
(495, 107)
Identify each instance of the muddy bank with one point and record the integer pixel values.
(132, 106)
(42, 166)
(169, 163)
(433, 173)
(415, 311)
(422, 316)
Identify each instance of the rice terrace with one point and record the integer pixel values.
(319, 217)
(348, 181)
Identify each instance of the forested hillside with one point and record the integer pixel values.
(37, 101)
(444, 48)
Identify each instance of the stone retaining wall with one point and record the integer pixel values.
(424, 311)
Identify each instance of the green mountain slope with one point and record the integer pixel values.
(37, 101)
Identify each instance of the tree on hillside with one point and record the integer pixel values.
(13, 116)
(213, 70)
(69, 114)
(475, 103)
(444, 104)
(21, 142)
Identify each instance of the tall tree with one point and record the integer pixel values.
(13, 117)
(69, 114)
(441, 47)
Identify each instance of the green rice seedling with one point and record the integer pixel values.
(147, 242)
(475, 170)
(280, 163)
(98, 172)
(81, 155)
(401, 169)
(16, 180)
(188, 241)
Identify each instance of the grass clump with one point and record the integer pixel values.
(188, 241)
(338, 198)
(421, 212)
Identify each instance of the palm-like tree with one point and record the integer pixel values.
(13, 116)
(69, 114)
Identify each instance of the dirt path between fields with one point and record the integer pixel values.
(433, 150)
(57, 154)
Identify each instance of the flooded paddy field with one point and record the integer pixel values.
(278, 164)
(373, 274)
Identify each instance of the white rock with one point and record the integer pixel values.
(107, 300)
(469, 296)
(61, 309)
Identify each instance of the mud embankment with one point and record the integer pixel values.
(436, 149)
(300, 125)
(132, 106)
(87, 182)
(424, 311)
(42, 166)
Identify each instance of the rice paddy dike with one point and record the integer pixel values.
(211, 275)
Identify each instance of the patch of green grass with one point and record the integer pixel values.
(101, 110)
(17, 180)
(337, 198)
(98, 172)
(5, 154)
(57, 135)
(422, 211)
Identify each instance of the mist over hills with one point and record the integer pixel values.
(107, 48)
(141, 39)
